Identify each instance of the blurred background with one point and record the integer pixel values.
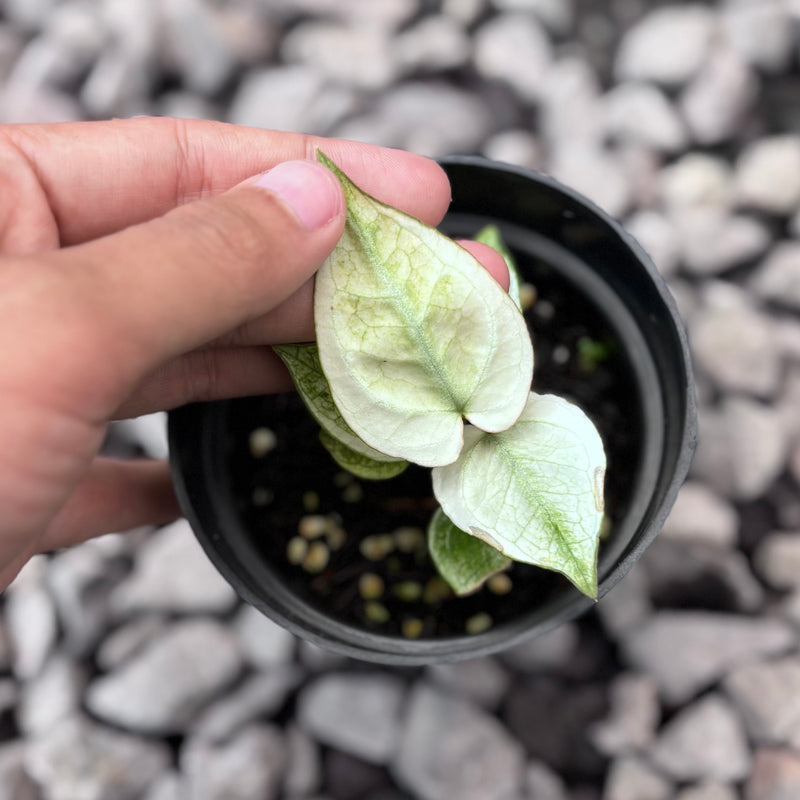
(129, 670)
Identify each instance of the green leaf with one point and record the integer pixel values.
(491, 236)
(535, 492)
(463, 560)
(414, 335)
(360, 465)
(302, 361)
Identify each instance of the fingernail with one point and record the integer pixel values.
(309, 190)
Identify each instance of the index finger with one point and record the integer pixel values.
(101, 177)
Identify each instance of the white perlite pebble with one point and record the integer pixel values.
(777, 560)
(15, 783)
(570, 104)
(249, 766)
(518, 147)
(172, 573)
(482, 680)
(52, 695)
(386, 14)
(713, 241)
(733, 343)
(128, 639)
(717, 100)
(163, 687)
(80, 759)
(768, 175)
(264, 643)
(776, 775)
(515, 49)
(701, 515)
(687, 651)
(709, 791)
(705, 741)
(303, 773)
(768, 698)
(433, 44)
(359, 56)
(633, 718)
(450, 749)
(551, 652)
(626, 606)
(760, 31)
(778, 277)
(696, 179)
(641, 113)
(464, 11)
(557, 15)
(632, 778)
(669, 45)
(542, 783)
(657, 235)
(358, 714)
(169, 786)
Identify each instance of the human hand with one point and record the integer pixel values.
(143, 267)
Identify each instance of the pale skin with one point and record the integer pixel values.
(143, 266)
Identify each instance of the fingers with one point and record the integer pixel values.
(102, 177)
(492, 261)
(113, 496)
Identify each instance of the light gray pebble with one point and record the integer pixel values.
(28, 14)
(594, 172)
(358, 56)
(126, 640)
(542, 783)
(634, 715)
(701, 515)
(514, 146)
(164, 686)
(433, 44)
(552, 651)
(52, 695)
(632, 778)
(778, 277)
(118, 85)
(515, 49)
(570, 104)
(627, 606)
(430, 118)
(9, 694)
(716, 102)
(777, 559)
(11, 45)
(696, 179)
(303, 764)
(148, 431)
(641, 113)
(289, 98)
(170, 786)
(484, 681)
(173, 574)
(31, 622)
(705, 741)
(186, 105)
(15, 783)
(80, 759)
(260, 695)
(359, 714)
(264, 643)
(668, 45)
(768, 698)
(768, 175)
(557, 15)
(641, 165)
(657, 235)
(387, 14)
(714, 242)
(688, 651)
(733, 343)
(451, 749)
(760, 31)
(464, 11)
(711, 790)
(743, 448)
(775, 775)
(250, 765)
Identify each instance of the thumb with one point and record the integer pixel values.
(162, 288)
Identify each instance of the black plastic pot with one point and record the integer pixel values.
(545, 222)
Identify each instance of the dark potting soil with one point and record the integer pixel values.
(297, 485)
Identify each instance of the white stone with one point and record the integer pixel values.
(303, 764)
(714, 241)
(264, 643)
(641, 113)
(711, 790)
(570, 104)
(52, 695)
(669, 45)
(696, 179)
(387, 14)
(733, 343)
(777, 560)
(631, 778)
(716, 102)
(702, 515)
(557, 15)
(542, 783)
(515, 146)
(80, 759)
(778, 277)
(633, 718)
(595, 173)
(170, 786)
(164, 686)
(128, 639)
(173, 574)
(768, 175)
(760, 31)
(15, 784)
(657, 235)
(514, 48)
(627, 606)
(552, 651)
(358, 714)
(118, 85)
(484, 681)
(28, 14)
(433, 44)
(464, 11)
(249, 766)
(148, 431)
(355, 56)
